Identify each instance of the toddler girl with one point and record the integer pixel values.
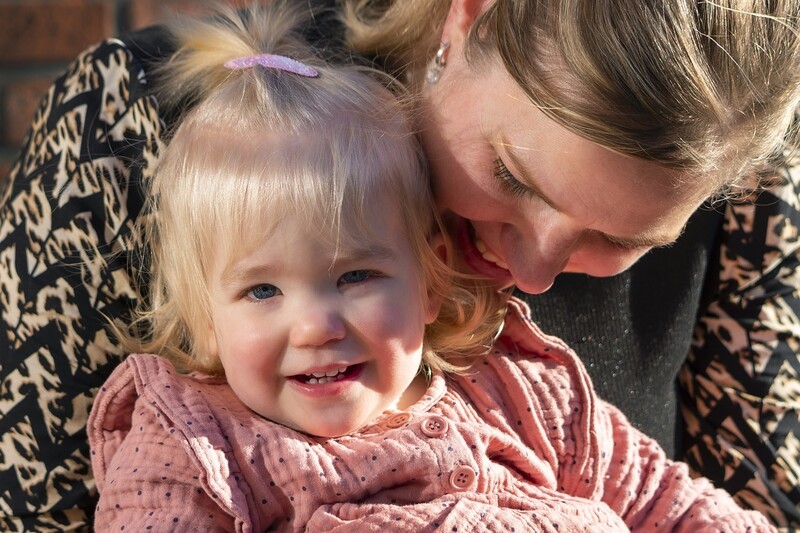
(294, 271)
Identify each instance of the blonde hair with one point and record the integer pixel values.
(261, 144)
(706, 87)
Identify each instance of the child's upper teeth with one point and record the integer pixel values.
(329, 373)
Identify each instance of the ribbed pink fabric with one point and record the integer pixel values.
(520, 443)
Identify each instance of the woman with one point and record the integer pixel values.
(563, 136)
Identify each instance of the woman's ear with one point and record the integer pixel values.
(460, 18)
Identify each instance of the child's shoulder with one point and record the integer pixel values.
(522, 343)
(156, 377)
(146, 382)
(525, 361)
(154, 383)
(530, 341)
(148, 397)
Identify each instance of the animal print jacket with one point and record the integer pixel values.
(67, 259)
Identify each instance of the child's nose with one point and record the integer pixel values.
(315, 325)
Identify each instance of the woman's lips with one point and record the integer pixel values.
(477, 256)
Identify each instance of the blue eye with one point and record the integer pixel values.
(357, 276)
(264, 292)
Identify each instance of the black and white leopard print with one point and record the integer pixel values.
(741, 382)
(65, 238)
(65, 245)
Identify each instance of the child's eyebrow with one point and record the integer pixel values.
(238, 273)
(373, 251)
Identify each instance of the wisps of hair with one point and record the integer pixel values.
(402, 35)
(205, 44)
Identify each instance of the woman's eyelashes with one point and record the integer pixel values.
(508, 183)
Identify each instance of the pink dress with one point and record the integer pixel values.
(519, 443)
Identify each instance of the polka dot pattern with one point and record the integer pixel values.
(519, 444)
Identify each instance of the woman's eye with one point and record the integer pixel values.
(357, 276)
(508, 182)
(264, 292)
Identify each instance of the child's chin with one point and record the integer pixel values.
(323, 431)
(330, 432)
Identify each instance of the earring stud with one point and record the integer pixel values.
(437, 66)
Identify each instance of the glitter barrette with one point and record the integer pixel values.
(272, 61)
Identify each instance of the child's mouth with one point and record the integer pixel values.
(337, 374)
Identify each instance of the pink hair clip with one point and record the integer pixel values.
(272, 61)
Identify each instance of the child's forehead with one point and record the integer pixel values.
(349, 234)
(280, 249)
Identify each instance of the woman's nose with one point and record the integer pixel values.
(536, 259)
(538, 276)
(315, 324)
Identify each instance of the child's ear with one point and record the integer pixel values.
(211, 341)
(437, 244)
(434, 302)
(434, 305)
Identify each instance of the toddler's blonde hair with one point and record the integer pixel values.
(259, 145)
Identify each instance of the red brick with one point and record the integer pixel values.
(20, 101)
(5, 168)
(49, 30)
(146, 12)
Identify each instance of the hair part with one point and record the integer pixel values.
(259, 145)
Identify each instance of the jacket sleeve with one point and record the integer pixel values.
(653, 493)
(740, 390)
(152, 485)
(596, 454)
(66, 222)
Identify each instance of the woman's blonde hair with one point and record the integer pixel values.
(706, 87)
(260, 144)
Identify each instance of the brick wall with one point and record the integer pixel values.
(38, 39)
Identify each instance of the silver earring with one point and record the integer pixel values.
(438, 64)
